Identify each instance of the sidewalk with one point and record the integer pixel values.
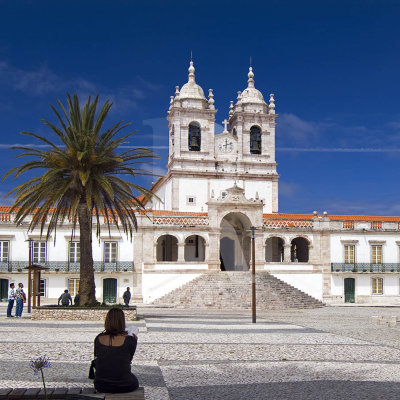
(330, 353)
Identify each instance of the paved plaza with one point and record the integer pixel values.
(328, 353)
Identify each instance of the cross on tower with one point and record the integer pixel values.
(225, 122)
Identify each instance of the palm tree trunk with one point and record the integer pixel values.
(87, 288)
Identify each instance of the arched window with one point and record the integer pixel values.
(274, 249)
(255, 140)
(194, 138)
(299, 250)
(194, 248)
(167, 248)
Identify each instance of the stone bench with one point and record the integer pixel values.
(65, 393)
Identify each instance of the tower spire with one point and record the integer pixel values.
(251, 78)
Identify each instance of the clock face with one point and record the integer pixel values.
(225, 146)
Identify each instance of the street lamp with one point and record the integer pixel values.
(29, 274)
(253, 274)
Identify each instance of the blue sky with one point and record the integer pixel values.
(334, 67)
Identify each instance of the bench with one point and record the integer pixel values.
(67, 393)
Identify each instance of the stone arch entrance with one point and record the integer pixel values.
(235, 243)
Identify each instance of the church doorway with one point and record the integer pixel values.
(235, 243)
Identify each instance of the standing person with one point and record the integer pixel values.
(77, 299)
(65, 298)
(113, 350)
(21, 298)
(127, 296)
(11, 298)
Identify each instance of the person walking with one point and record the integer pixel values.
(11, 299)
(21, 298)
(127, 296)
(65, 298)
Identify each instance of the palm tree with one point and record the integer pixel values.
(81, 180)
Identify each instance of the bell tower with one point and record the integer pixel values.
(191, 126)
(252, 123)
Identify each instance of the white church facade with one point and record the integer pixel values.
(216, 188)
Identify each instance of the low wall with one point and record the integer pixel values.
(77, 314)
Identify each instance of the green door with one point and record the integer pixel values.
(110, 290)
(3, 289)
(349, 290)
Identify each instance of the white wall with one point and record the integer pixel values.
(157, 285)
(307, 283)
(390, 249)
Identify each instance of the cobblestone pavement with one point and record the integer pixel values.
(328, 353)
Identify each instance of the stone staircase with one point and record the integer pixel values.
(232, 291)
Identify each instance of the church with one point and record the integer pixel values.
(218, 188)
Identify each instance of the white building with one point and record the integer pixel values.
(216, 188)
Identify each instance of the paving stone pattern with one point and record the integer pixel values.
(228, 291)
(324, 353)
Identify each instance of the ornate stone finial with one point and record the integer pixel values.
(231, 109)
(257, 196)
(211, 99)
(239, 96)
(191, 72)
(171, 102)
(212, 193)
(272, 103)
(225, 122)
(315, 213)
(176, 90)
(250, 82)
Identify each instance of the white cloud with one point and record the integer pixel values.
(288, 189)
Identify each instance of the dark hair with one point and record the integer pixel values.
(11, 284)
(114, 323)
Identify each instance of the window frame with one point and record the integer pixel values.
(40, 243)
(2, 251)
(375, 289)
(110, 259)
(376, 256)
(349, 245)
(77, 251)
(75, 286)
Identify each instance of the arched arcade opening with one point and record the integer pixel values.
(235, 242)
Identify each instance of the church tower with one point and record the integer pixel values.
(203, 165)
(191, 126)
(252, 125)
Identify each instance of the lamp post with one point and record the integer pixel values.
(29, 274)
(253, 274)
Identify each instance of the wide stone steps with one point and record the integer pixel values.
(232, 290)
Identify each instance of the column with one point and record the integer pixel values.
(286, 253)
(181, 252)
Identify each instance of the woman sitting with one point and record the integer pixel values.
(113, 351)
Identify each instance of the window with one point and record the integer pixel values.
(349, 253)
(74, 252)
(194, 138)
(43, 288)
(4, 247)
(223, 194)
(377, 285)
(110, 252)
(376, 254)
(73, 286)
(39, 252)
(255, 140)
(190, 200)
